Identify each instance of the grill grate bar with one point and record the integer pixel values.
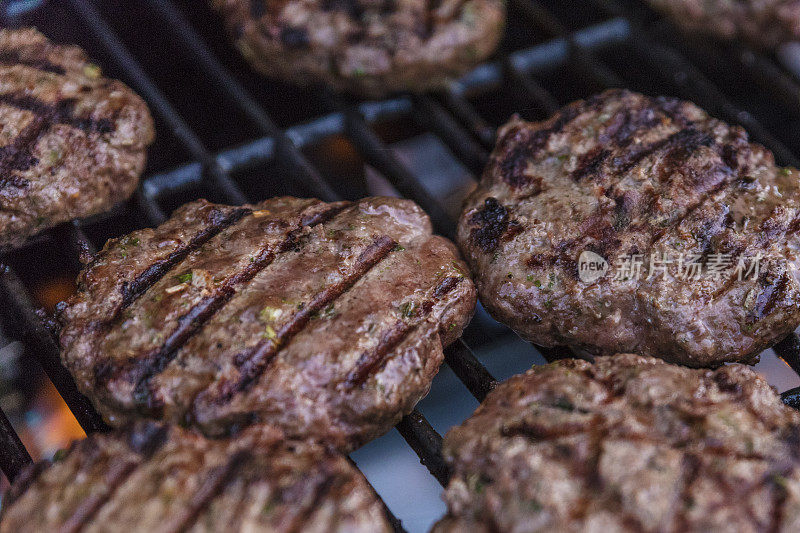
(789, 350)
(769, 77)
(467, 114)
(379, 156)
(299, 166)
(694, 85)
(791, 397)
(531, 93)
(433, 117)
(581, 56)
(478, 380)
(14, 456)
(152, 212)
(46, 349)
(426, 443)
(155, 98)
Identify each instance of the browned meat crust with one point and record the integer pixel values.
(326, 320)
(763, 23)
(626, 444)
(369, 47)
(626, 176)
(154, 478)
(72, 143)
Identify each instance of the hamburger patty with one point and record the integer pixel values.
(325, 320)
(628, 443)
(707, 215)
(370, 47)
(764, 23)
(72, 143)
(155, 478)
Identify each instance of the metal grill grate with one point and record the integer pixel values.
(554, 52)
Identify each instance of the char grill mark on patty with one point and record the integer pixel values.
(673, 156)
(211, 487)
(255, 361)
(308, 494)
(567, 421)
(117, 474)
(17, 154)
(155, 272)
(145, 443)
(491, 223)
(11, 58)
(640, 181)
(373, 359)
(193, 321)
(255, 480)
(189, 352)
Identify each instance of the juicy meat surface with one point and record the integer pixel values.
(156, 478)
(369, 47)
(637, 180)
(72, 143)
(325, 320)
(627, 443)
(764, 23)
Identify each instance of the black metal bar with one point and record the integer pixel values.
(427, 444)
(532, 94)
(434, 118)
(298, 164)
(380, 156)
(467, 114)
(469, 370)
(788, 349)
(581, 56)
(791, 397)
(155, 98)
(397, 525)
(45, 347)
(556, 353)
(13, 455)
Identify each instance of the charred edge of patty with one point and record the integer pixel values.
(373, 359)
(256, 360)
(193, 321)
(491, 224)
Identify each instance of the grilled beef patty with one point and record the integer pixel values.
(763, 23)
(156, 478)
(628, 443)
(369, 47)
(72, 143)
(325, 320)
(626, 176)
